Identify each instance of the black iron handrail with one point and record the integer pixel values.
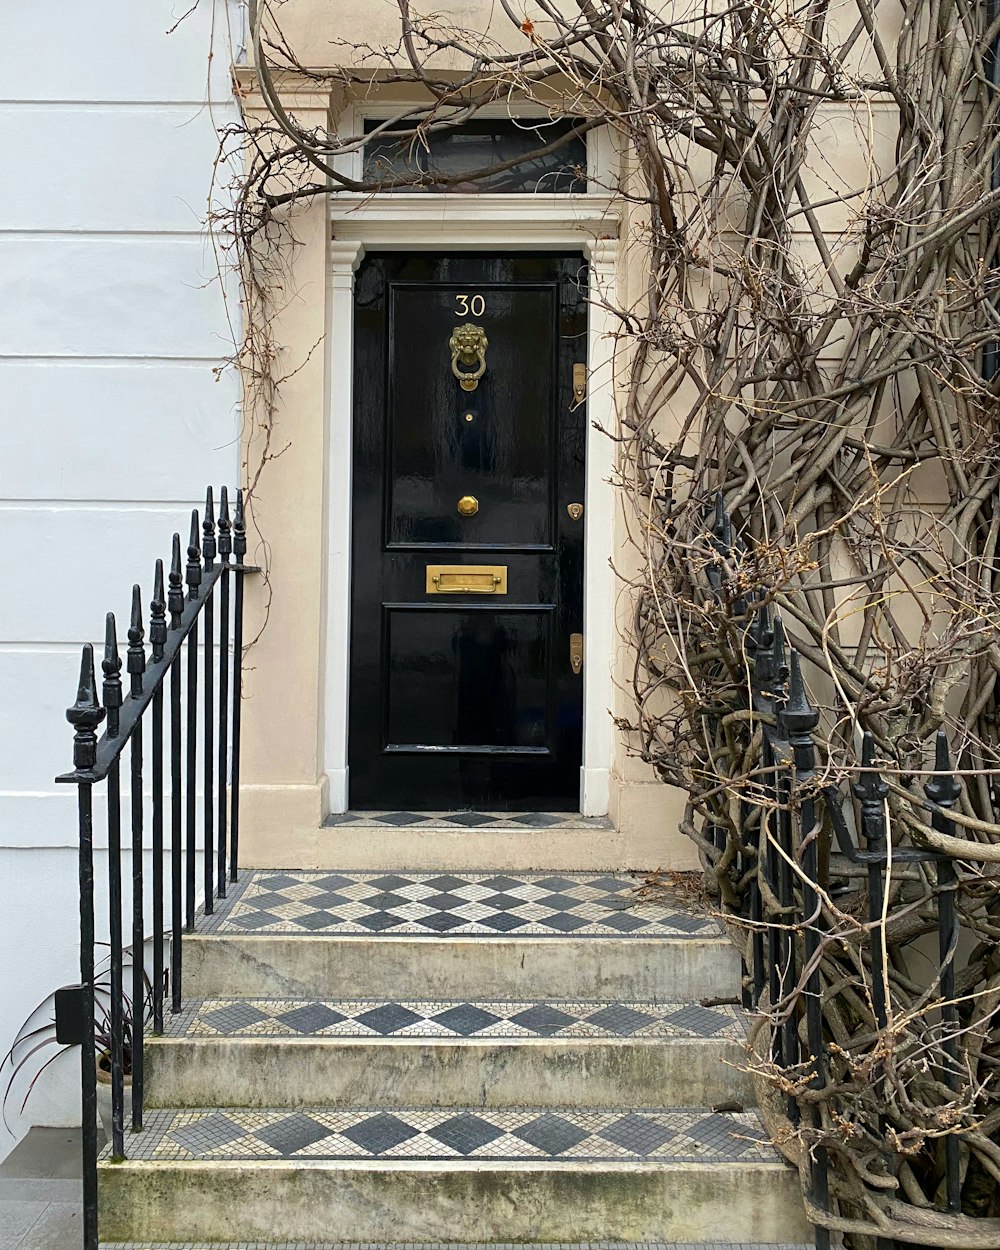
(780, 854)
(215, 561)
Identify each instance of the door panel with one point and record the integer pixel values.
(467, 699)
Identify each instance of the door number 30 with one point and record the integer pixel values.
(466, 304)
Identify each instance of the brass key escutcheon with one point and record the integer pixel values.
(575, 511)
(576, 653)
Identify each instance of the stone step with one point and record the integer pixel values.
(457, 935)
(468, 1175)
(290, 1052)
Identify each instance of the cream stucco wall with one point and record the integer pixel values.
(284, 769)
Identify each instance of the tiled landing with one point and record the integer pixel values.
(517, 1134)
(487, 821)
(460, 904)
(290, 1018)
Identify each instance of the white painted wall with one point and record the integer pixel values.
(111, 419)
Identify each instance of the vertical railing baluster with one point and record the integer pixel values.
(944, 790)
(85, 715)
(225, 551)
(112, 693)
(175, 604)
(768, 854)
(785, 854)
(800, 719)
(135, 663)
(239, 551)
(193, 572)
(157, 641)
(754, 854)
(871, 791)
(208, 553)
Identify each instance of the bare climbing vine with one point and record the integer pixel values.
(808, 328)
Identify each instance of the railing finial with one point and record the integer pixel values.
(239, 530)
(208, 530)
(86, 713)
(225, 527)
(870, 791)
(944, 789)
(193, 571)
(779, 659)
(136, 656)
(799, 715)
(157, 615)
(112, 666)
(175, 597)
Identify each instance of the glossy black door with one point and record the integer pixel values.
(467, 699)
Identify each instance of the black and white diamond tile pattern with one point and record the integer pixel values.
(459, 904)
(280, 1018)
(485, 1134)
(488, 821)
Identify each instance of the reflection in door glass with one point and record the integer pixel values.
(481, 145)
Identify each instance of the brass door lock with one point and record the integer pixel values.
(576, 653)
(575, 511)
(468, 345)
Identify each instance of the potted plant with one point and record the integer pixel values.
(35, 1048)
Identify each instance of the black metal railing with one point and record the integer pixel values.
(788, 867)
(213, 575)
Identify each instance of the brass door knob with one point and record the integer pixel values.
(468, 505)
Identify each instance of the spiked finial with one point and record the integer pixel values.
(225, 538)
(112, 667)
(157, 615)
(870, 790)
(239, 530)
(762, 639)
(193, 571)
(945, 789)
(719, 528)
(86, 713)
(136, 657)
(175, 597)
(799, 715)
(778, 658)
(208, 531)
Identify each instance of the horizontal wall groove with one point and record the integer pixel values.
(35, 358)
(101, 236)
(220, 102)
(104, 505)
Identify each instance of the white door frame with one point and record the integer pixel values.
(492, 223)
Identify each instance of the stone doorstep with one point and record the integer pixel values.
(384, 1201)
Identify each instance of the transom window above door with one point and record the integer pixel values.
(476, 145)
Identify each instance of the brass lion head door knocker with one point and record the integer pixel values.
(468, 345)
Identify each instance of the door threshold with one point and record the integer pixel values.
(484, 821)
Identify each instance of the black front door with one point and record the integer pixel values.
(467, 611)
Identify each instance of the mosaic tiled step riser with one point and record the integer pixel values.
(507, 1135)
(283, 1018)
(452, 905)
(487, 821)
